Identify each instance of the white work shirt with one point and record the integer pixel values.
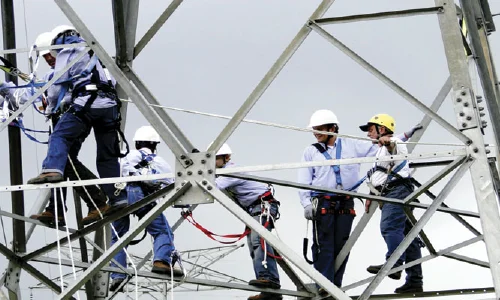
(378, 178)
(158, 165)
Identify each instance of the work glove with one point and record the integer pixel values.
(410, 133)
(309, 212)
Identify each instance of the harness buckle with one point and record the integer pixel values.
(91, 87)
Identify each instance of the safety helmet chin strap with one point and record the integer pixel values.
(330, 136)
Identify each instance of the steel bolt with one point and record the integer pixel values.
(210, 171)
(463, 93)
(488, 151)
(179, 173)
(475, 150)
(203, 161)
(190, 173)
(183, 156)
(459, 99)
(461, 114)
(200, 172)
(209, 188)
(204, 182)
(187, 162)
(464, 125)
(207, 155)
(466, 104)
(469, 118)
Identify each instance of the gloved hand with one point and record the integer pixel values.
(410, 133)
(309, 212)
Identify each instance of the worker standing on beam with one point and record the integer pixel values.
(392, 179)
(332, 214)
(258, 200)
(92, 195)
(144, 161)
(93, 103)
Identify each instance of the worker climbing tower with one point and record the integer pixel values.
(464, 29)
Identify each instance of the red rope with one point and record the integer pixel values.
(262, 245)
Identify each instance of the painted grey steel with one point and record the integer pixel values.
(483, 61)
(23, 50)
(142, 104)
(426, 121)
(294, 277)
(268, 78)
(352, 194)
(40, 91)
(100, 279)
(124, 240)
(39, 206)
(418, 261)
(468, 260)
(156, 26)
(415, 230)
(201, 169)
(187, 280)
(433, 294)
(486, 197)
(389, 82)
(380, 15)
(287, 252)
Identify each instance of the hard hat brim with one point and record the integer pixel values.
(365, 127)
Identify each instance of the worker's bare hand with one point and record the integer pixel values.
(384, 141)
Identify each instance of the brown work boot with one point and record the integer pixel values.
(49, 218)
(94, 215)
(51, 177)
(265, 296)
(160, 267)
(264, 283)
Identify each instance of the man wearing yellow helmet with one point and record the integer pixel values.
(392, 180)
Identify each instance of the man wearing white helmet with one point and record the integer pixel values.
(144, 161)
(254, 197)
(93, 103)
(334, 214)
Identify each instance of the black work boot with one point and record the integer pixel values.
(115, 284)
(409, 287)
(377, 268)
(264, 283)
(51, 177)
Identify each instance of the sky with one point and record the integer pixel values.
(210, 56)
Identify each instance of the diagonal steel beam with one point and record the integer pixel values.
(160, 125)
(389, 82)
(108, 255)
(268, 78)
(468, 260)
(282, 248)
(414, 231)
(156, 26)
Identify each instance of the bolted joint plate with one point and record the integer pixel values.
(466, 109)
(100, 282)
(201, 170)
(12, 277)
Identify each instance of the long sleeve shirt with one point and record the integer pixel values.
(324, 176)
(245, 191)
(157, 166)
(64, 57)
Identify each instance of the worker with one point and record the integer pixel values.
(92, 195)
(93, 103)
(332, 214)
(392, 179)
(257, 199)
(145, 161)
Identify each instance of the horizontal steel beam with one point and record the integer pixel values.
(432, 294)
(380, 15)
(352, 194)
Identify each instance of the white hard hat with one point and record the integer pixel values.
(322, 117)
(56, 32)
(146, 134)
(44, 40)
(224, 150)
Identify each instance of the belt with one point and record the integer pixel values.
(396, 182)
(332, 211)
(333, 197)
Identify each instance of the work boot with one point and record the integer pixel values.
(115, 283)
(376, 269)
(49, 218)
(409, 287)
(51, 177)
(160, 267)
(324, 294)
(115, 207)
(265, 296)
(94, 215)
(264, 283)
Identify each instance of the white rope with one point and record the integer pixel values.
(288, 126)
(73, 269)
(58, 243)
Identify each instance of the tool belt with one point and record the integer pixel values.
(392, 184)
(267, 196)
(333, 211)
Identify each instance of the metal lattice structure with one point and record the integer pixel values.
(195, 171)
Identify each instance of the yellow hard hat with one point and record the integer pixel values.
(382, 120)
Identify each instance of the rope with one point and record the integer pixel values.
(288, 126)
(58, 243)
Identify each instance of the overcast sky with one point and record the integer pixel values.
(209, 57)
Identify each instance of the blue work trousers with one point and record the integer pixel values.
(159, 229)
(394, 225)
(270, 271)
(71, 127)
(332, 232)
